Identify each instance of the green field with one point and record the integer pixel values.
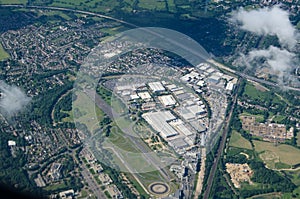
(57, 186)
(125, 154)
(258, 118)
(152, 4)
(3, 54)
(57, 13)
(250, 90)
(268, 196)
(279, 118)
(238, 141)
(13, 1)
(282, 153)
(260, 96)
(92, 5)
(86, 112)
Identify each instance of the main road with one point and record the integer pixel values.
(255, 79)
(93, 185)
(180, 45)
(139, 144)
(188, 49)
(70, 10)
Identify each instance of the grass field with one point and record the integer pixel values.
(267, 196)
(57, 186)
(86, 112)
(258, 118)
(238, 141)
(272, 154)
(13, 1)
(250, 90)
(152, 4)
(279, 118)
(125, 154)
(258, 95)
(3, 53)
(57, 13)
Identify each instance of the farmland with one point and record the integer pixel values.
(274, 155)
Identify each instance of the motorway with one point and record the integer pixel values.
(195, 53)
(174, 42)
(245, 76)
(69, 10)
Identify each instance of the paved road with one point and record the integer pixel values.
(220, 149)
(93, 185)
(250, 77)
(180, 45)
(141, 146)
(70, 10)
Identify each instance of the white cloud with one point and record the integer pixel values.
(275, 58)
(268, 21)
(280, 61)
(13, 99)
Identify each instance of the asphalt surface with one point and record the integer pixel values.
(91, 182)
(141, 146)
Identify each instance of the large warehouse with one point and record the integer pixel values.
(156, 87)
(167, 100)
(159, 122)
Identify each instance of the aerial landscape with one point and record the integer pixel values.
(147, 99)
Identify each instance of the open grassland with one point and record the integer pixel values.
(152, 4)
(279, 118)
(91, 5)
(238, 141)
(118, 138)
(57, 13)
(86, 112)
(258, 118)
(258, 95)
(273, 155)
(3, 54)
(251, 91)
(267, 196)
(13, 2)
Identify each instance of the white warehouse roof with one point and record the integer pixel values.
(159, 121)
(156, 86)
(144, 95)
(167, 100)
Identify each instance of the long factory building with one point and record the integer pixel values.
(159, 122)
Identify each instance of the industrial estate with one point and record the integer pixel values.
(92, 106)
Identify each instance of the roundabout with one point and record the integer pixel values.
(159, 188)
